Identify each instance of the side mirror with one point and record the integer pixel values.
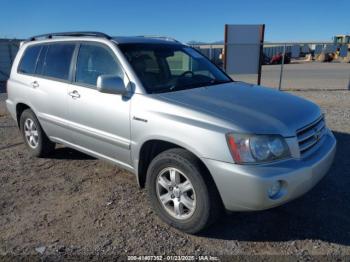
(111, 84)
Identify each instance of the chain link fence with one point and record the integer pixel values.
(295, 66)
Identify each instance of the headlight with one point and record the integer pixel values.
(247, 148)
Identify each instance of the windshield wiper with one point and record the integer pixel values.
(214, 82)
(191, 85)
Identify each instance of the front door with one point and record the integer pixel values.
(100, 121)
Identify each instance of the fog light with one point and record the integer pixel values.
(275, 189)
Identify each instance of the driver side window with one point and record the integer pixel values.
(95, 60)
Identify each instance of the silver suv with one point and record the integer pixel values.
(197, 140)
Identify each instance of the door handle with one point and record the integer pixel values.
(35, 84)
(74, 94)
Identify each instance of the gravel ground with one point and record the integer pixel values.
(74, 205)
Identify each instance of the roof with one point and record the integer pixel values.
(117, 39)
(144, 40)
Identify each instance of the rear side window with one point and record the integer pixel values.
(93, 61)
(58, 60)
(29, 60)
(41, 60)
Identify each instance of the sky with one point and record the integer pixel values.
(190, 20)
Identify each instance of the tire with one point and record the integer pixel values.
(39, 144)
(204, 200)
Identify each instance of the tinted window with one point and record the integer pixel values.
(181, 62)
(41, 60)
(93, 61)
(149, 62)
(29, 60)
(168, 67)
(58, 59)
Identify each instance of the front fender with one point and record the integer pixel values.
(152, 119)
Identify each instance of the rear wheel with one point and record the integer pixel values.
(181, 191)
(34, 136)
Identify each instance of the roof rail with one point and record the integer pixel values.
(83, 33)
(167, 38)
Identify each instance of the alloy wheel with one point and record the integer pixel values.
(176, 193)
(31, 133)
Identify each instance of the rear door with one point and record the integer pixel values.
(45, 70)
(99, 121)
(50, 86)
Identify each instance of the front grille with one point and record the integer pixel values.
(310, 135)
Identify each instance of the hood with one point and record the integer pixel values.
(249, 108)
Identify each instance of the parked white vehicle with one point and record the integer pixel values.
(199, 141)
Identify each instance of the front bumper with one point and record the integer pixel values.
(245, 187)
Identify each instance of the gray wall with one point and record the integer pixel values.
(8, 51)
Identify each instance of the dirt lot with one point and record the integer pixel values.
(72, 204)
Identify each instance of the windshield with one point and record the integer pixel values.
(168, 67)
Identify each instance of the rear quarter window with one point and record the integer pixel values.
(29, 60)
(58, 60)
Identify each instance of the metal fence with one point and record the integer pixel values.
(295, 66)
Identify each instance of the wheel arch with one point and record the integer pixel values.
(20, 107)
(153, 147)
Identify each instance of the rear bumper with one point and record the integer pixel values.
(11, 108)
(245, 187)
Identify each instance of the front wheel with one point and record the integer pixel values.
(181, 191)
